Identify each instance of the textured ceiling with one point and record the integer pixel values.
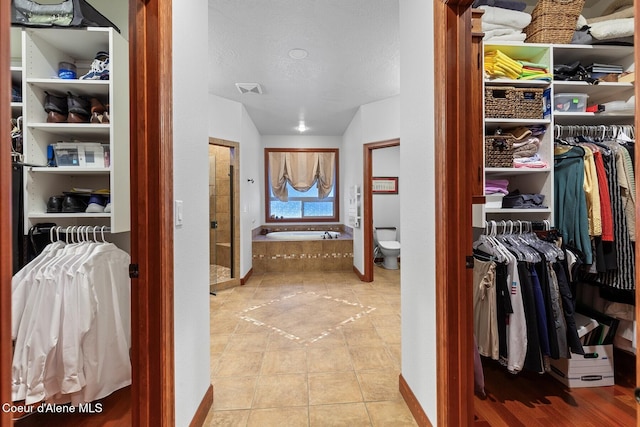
(353, 59)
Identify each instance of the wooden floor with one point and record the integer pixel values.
(116, 412)
(540, 400)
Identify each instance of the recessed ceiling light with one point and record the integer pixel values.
(298, 53)
(301, 127)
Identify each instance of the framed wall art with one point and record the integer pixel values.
(385, 185)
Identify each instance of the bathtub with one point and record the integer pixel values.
(302, 235)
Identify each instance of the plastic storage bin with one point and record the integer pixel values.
(570, 102)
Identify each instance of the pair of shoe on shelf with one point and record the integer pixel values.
(75, 109)
(74, 203)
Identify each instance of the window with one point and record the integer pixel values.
(301, 185)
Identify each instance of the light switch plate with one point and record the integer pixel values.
(179, 213)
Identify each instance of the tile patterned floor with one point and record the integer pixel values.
(218, 274)
(310, 349)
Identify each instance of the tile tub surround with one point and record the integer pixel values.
(279, 256)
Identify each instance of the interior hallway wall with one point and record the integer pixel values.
(417, 213)
(377, 121)
(229, 120)
(191, 243)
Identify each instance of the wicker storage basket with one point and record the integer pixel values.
(553, 21)
(528, 103)
(498, 151)
(499, 101)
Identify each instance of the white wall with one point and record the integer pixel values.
(352, 155)
(417, 214)
(386, 207)
(225, 118)
(191, 243)
(251, 203)
(374, 122)
(116, 11)
(229, 120)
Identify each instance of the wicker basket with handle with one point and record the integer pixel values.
(498, 151)
(553, 21)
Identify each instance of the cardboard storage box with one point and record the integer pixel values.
(594, 369)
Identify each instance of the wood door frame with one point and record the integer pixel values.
(636, 41)
(234, 147)
(367, 203)
(6, 247)
(454, 311)
(150, 41)
(152, 354)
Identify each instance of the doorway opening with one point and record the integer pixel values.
(367, 191)
(224, 245)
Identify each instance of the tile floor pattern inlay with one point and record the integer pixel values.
(289, 315)
(308, 349)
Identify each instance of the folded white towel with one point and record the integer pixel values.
(511, 18)
(486, 26)
(516, 37)
(613, 29)
(500, 32)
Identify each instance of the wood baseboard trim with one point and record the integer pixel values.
(357, 272)
(244, 279)
(414, 406)
(203, 409)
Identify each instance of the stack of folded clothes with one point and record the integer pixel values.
(503, 20)
(525, 147)
(518, 200)
(534, 71)
(496, 186)
(498, 64)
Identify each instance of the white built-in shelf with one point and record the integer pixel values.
(516, 82)
(86, 130)
(615, 117)
(44, 215)
(514, 171)
(599, 93)
(515, 122)
(70, 170)
(75, 86)
(515, 211)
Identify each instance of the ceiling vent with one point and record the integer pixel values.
(249, 88)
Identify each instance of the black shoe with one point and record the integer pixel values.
(56, 108)
(79, 108)
(74, 204)
(55, 204)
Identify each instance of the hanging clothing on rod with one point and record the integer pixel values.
(71, 320)
(609, 197)
(532, 297)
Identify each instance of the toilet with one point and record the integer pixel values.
(386, 240)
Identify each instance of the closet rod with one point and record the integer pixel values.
(602, 131)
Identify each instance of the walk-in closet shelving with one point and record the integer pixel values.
(43, 49)
(540, 180)
(527, 180)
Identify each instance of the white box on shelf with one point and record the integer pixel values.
(494, 200)
(593, 369)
